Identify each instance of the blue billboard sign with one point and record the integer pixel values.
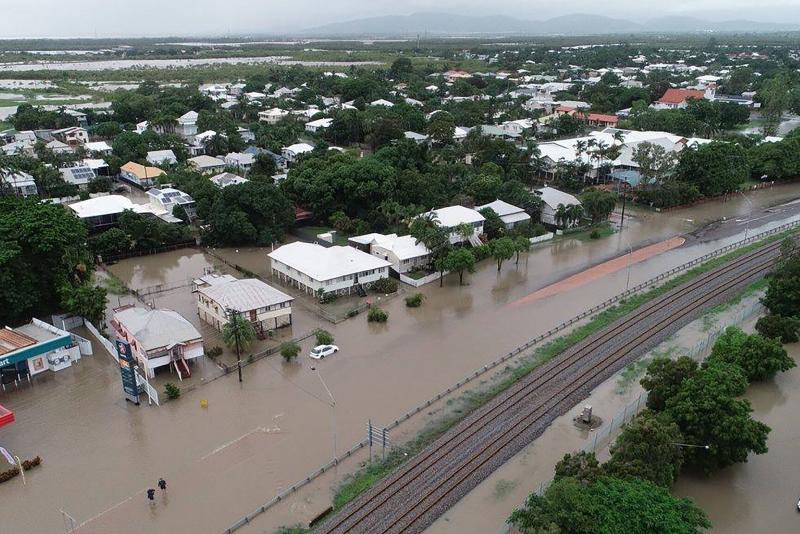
(126, 369)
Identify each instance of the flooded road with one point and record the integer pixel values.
(761, 495)
(258, 437)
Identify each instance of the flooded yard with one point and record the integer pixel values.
(256, 438)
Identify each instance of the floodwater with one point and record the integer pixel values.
(258, 437)
(760, 495)
(119, 64)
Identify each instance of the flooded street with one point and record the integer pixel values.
(761, 495)
(256, 438)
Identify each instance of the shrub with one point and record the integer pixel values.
(290, 350)
(415, 300)
(324, 337)
(482, 252)
(385, 285)
(377, 315)
(594, 234)
(172, 391)
(778, 327)
(353, 312)
(213, 352)
(30, 464)
(8, 475)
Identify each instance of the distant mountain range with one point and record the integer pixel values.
(578, 24)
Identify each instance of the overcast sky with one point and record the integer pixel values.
(127, 18)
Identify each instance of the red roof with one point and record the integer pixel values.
(602, 117)
(677, 96)
(6, 416)
(565, 109)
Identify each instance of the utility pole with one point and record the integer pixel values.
(332, 404)
(231, 317)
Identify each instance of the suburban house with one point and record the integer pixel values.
(518, 126)
(261, 304)
(206, 164)
(381, 102)
(317, 125)
(104, 211)
(291, 152)
(675, 98)
(79, 175)
(225, 179)
(597, 120)
(240, 160)
(36, 347)
(403, 252)
(316, 269)
(510, 215)
(158, 338)
(139, 175)
(272, 116)
(418, 138)
(18, 183)
(57, 147)
(98, 148)
(551, 199)
(72, 136)
(452, 217)
(187, 124)
(161, 157)
(164, 201)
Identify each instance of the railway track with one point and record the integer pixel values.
(426, 485)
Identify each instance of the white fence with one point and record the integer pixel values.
(112, 351)
(542, 238)
(420, 281)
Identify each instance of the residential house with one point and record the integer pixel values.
(272, 116)
(57, 147)
(163, 201)
(418, 138)
(17, 183)
(158, 338)
(597, 120)
(98, 148)
(162, 157)
(292, 152)
(80, 116)
(187, 124)
(518, 127)
(510, 215)
(207, 164)
(225, 179)
(246, 135)
(72, 136)
(240, 160)
(675, 98)
(79, 175)
(318, 125)
(264, 306)
(103, 212)
(551, 200)
(452, 217)
(139, 175)
(381, 102)
(316, 269)
(405, 253)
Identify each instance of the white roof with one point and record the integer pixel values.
(17, 179)
(189, 116)
(320, 123)
(452, 216)
(404, 247)
(105, 205)
(381, 102)
(415, 136)
(553, 197)
(299, 148)
(206, 161)
(154, 329)
(227, 178)
(501, 208)
(244, 295)
(160, 156)
(97, 146)
(240, 158)
(322, 263)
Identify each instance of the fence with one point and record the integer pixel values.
(541, 238)
(101, 339)
(417, 282)
(479, 372)
(147, 252)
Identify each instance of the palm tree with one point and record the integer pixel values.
(561, 215)
(238, 333)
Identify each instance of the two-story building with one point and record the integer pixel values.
(18, 183)
(219, 296)
(158, 338)
(139, 175)
(165, 200)
(316, 269)
(453, 218)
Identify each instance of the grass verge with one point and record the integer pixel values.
(361, 481)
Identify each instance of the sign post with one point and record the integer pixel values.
(126, 365)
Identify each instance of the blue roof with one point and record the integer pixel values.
(630, 176)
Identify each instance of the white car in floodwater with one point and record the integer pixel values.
(320, 351)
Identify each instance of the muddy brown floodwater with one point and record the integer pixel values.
(256, 438)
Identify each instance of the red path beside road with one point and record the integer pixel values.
(599, 271)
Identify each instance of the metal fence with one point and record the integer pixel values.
(479, 372)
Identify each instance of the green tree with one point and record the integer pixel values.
(581, 466)
(598, 204)
(656, 164)
(441, 128)
(784, 329)
(459, 260)
(609, 505)
(289, 351)
(426, 230)
(401, 68)
(759, 358)
(775, 98)
(715, 168)
(238, 333)
(493, 225)
(255, 212)
(708, 414)
(521, 244)
(502, 249)
(647, 449)
(324, 337)
(84, 300)
(664, 379)
(783, 292)
(112, 242)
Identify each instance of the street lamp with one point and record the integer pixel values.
(332, 404)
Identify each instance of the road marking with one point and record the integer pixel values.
(140, 492)
(263, 430)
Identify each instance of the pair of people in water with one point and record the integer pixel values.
(151, 493)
